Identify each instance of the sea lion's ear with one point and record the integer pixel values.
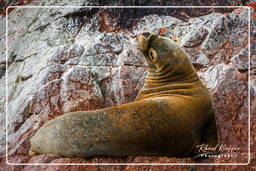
(153, 55)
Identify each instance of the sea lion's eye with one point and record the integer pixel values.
(151, 56)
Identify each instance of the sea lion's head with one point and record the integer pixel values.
(163, 54)
(160, 51)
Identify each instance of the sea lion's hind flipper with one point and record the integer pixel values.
(209, 135)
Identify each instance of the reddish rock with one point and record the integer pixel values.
(253, 112)
(162, 31)
(107, 24)
(230, 94)
(126, 83)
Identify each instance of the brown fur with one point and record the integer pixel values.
(170, 116)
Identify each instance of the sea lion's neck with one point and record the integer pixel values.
(167, 75)
(169, 81)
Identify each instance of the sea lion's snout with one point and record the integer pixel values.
(143, 41)
(160, 51)
(146, 34)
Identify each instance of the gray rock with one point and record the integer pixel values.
(2, 70)
(195, 38)
(228, 36)
(240, 61)
(154, 23)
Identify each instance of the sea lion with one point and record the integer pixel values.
(172, 114)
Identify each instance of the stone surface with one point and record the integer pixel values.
(230, 94)
(63, 60)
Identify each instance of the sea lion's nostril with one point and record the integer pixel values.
(146, 34)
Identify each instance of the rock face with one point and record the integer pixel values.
(70, 59)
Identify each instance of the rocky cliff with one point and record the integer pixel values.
(70, 59)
